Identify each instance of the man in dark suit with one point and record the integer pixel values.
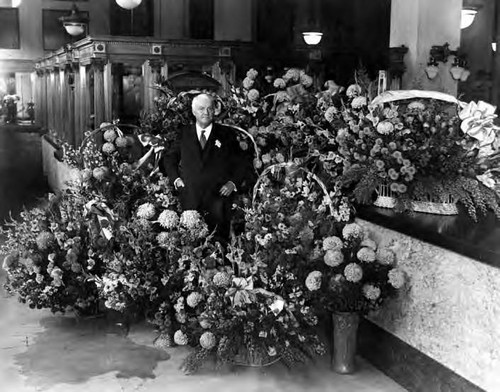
(205, 167)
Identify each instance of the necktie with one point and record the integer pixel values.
(203, 139)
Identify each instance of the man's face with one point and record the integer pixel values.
(203, 111)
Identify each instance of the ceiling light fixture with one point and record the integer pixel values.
(76, 22)
(128, 4)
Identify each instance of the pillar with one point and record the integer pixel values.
(108, 92)
(418, 25)
(152, 70)
(99, 110)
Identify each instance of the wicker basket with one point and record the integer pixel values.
(430, 204)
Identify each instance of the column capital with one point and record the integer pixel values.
(98, 64)
(156, 65)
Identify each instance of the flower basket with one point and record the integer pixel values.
(430, 205)
(249, 358)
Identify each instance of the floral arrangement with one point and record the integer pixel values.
(349, 273)
(50, 256)
(423, 148)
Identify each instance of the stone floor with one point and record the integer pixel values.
(43, 352)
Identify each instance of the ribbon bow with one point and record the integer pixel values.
(156, 147)
(477, 122)
(104, 214)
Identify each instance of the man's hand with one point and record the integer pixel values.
(178, 183)
(227, 188)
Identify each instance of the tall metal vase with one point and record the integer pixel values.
(345, 329)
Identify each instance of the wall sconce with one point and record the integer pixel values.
(75, 23)
(494, 46)
(128, 4)
(468, 15)
(432, 68)
(312, 37)
(458, 70)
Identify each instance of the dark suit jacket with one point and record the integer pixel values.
(204, 171)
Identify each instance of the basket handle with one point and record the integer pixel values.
(399, 95)
(278, 166)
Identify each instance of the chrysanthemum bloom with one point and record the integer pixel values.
(371, 292)
(279, 83)
(121, 142)
(353, 272)
(416, 105)
(385, 256)
(146, 211)
(108, 148)
(205, 324)
(100, 173)
(280, 158)
(333, 258)
(369, 243)
(222, 279)
(252, 73)
(306, 80)
(352, 230)
(336, 282)
(332, 243)
(385, 127)
(330, 113)
(180, 338)
(248, 83)
(168, 219)
(266, 159)
(45, 240)
(39, 278)
(163, 239)
(313, 280)
(208, 340)
(293, 74)
(110, 135)
(194, 299)
(396, 278)
(190, 219)
(358, 102)
(253, 95)
(9, 261)
(353, 90)
(366, 254)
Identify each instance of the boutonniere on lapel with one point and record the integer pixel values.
(218, 143)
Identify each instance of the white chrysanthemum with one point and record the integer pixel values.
(208, 340)
(313, 280)
(330, 113)
(168, 219)
(121, 142)
(110, 135)
(253, 95)
(205, 324)
(353, 272)
(146, 211)
(332, 243)
(45, 240)
(352, 230)
(279, 83)
(306, 80)
(252, 73)
(396, 278)
(108, 148)
(385, 127)
(386, 256)
(353, 90)
(366, 254)
(358, 102)
(371, 292)
(416, 105)
(293, 74)
(369, 243)
(190, 219)
(222, 279)
(333, 258)
(163, 239)
(248, 83)
(180, 338)
(194, 299)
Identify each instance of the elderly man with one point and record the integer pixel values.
(205, 168)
